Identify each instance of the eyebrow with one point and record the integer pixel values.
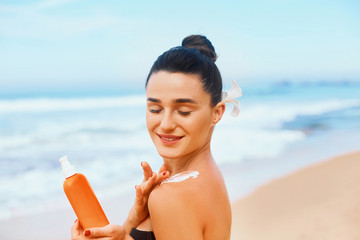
(179, 100)
(153, 100)
(185, 100)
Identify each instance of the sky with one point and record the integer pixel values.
(60, 45)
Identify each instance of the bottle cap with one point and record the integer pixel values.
(67, 169)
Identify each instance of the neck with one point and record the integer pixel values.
(192, 161)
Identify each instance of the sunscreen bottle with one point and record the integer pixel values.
(82, 197)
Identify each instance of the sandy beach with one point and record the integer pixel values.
(318, 202)
(321, 201)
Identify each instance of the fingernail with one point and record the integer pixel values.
(152, 174)
(164, 173)
(87, 233)
(142, 164)
(75, 220)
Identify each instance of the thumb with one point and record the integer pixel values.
(109, 230)
(94, 232)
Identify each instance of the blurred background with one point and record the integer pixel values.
(72, 76)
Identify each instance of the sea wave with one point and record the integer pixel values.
(63, 104)
(108, 145)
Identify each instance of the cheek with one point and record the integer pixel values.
(200, 126)
(149, 122)
(152, 122)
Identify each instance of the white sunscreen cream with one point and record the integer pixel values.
(181, 176)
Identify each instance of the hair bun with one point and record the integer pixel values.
(202, 44)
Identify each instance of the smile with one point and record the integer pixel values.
(169, 139)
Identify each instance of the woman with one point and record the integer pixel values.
(183, 91)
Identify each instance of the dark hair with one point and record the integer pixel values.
(195, 56)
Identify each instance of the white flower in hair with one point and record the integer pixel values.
(231, 96)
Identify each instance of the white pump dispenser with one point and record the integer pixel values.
(67, 169)
(82, 197)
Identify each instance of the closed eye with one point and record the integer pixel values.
(154, 110)
(184, 113)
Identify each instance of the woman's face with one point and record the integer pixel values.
(179, 115)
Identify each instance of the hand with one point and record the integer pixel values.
(109, 232)
(139, 212)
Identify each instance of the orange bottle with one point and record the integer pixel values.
(82, 197)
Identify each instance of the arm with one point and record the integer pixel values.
(176, 213)
(139, 212)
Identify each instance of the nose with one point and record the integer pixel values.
(167, 122)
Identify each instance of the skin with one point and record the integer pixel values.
(180, 121)
(138, 213)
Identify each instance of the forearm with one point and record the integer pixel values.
(128, 237)
(131, 222)
(128, 225)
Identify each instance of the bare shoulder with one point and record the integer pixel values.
(186, 194)
(175, 212)
(193, 209)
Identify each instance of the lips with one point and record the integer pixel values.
(169, 139)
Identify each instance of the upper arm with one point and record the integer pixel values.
(175, 214)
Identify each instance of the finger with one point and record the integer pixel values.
(95, 232)
(148, 185)
(162, 169)
(114, 231)
(76, 229)
(146, 169)
(139, 195)
(161, 177)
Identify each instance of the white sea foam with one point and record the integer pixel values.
(54, 104)
(106, 138)
(257, 132)
(275, 113)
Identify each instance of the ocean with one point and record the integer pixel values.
(282, 126)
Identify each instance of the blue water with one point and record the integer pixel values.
(104, 135)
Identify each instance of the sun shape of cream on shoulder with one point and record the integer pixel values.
(181, 176)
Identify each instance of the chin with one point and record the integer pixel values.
(170, 153)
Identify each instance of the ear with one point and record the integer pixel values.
(218, 112)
